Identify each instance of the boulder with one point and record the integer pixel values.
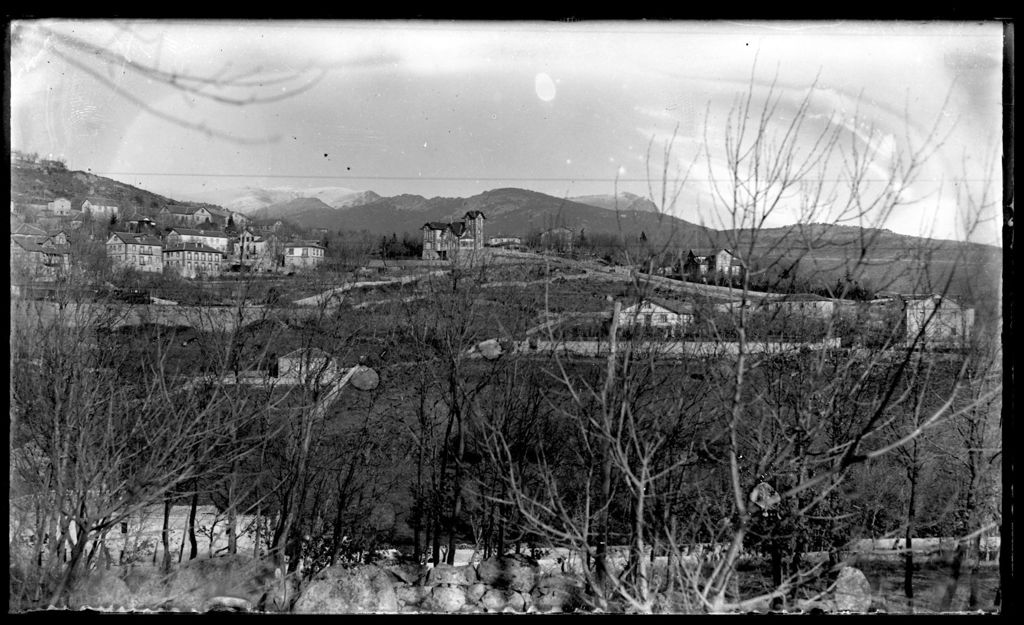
(557, 593)
(364, 379)
(194, 583)
(853, 591)
(489, 349)
(100, 590)
(447, 574)
(412, 595)
(409, 573)
(337, 590)
(475, 592)
(516, 572)
(500, 600)
(445, 599)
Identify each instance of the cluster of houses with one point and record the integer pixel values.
(924, 319)
(191, 241)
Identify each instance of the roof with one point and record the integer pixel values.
(435, 225)
(475, 214)
(189, 246)
(303, 244)
(26, 243)
(306, 352)
(800, 297)
(220, 212)
(180, 209)
(458, 228)
(193, 232)
(136, 239)
(680, 308)
(29, 230)
(102, 201)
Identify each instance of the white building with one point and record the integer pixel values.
(209, 238)
(672, 317)
(302, 254)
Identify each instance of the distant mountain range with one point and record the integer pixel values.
(250, 200)
(509, 212)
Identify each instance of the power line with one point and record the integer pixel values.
(467, 178)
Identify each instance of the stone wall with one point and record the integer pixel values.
(507, 584)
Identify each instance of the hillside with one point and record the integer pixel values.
(509, 212)
(623, 202)
(250, 200)
(292, 209)
(30, 185)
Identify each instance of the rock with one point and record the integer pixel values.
(338, 590)
(476, 591)
(500, 600)
(451, 575)
(513, 572)
(445, 599)
(494, 600)
(853, 591)
(227, 604)
(489, 349)
(365, 379)
(412, 595)
(100, 590)
(557, 593)
(408, 573)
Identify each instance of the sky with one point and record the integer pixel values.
(569, 109)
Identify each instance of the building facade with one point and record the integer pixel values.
(443, 241)
(302, 255)
(192, 260)
(141, 252)
(210, 238)
(672, 318)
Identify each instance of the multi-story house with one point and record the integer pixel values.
(191, 260)
(302, 254)
(95, 206)
(185, 215)
(442, 241)
(130, 250)
(210, 238)
(711, 264)
(34, 259)
(254, 250)
(60, 206)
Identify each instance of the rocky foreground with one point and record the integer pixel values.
(236, 583)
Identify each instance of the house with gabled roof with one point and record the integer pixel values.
(668, 315)
(36, 258)
(713, 263)
(59, 206)
(131, 250)
(442, 241)
(95, 205)
(303, 254)
(184, 215)
(255, 251)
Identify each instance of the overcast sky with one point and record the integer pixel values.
(455, 109)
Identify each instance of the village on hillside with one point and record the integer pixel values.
(201, 243)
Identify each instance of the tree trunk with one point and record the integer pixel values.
(193, 544)
(165, 534)
(908, 567)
